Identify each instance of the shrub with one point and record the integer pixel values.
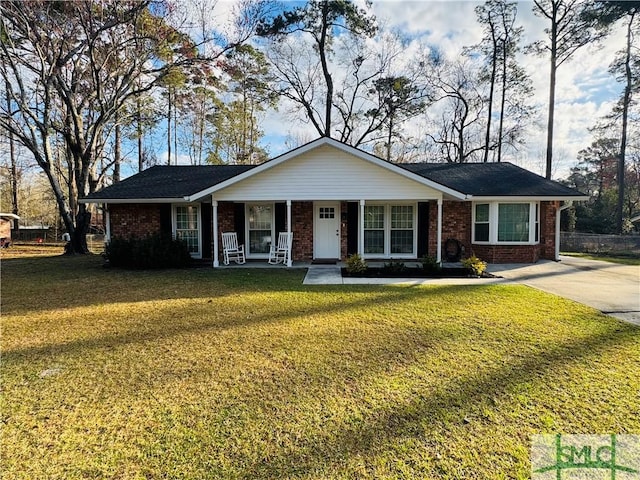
(430, 265)
(394, 266)
(152, 251)
(356, 264)
(474, 265)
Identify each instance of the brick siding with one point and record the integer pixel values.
(302, 228)
(456, 224)
(140, 220)
(134, 220)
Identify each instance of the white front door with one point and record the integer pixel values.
(326, 234)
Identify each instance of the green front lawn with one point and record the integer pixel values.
(229, 374)
(629, 259)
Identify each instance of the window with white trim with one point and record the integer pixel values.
(481, 223)
(401, 229)
(513, 222)
(187, 227)
(506, 223)
(389, 230)
(260, 228)
(374, 229)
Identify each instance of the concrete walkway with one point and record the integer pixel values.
(611, 288)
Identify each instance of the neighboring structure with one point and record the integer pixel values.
(6, 225)
(338, 200)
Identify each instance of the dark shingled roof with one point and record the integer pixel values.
(490, 179)
(169, 181)
(477, 179)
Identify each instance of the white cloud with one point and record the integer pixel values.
(585, 89)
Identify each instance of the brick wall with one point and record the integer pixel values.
(507, 253)
(226, 223)
(137, 220)
(302, 228)
(547, 229)
(142, 219)
(456, 223)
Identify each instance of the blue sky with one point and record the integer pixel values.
(585, 90)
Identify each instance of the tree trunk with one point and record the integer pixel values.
(494, 60)
(78, 243)
(175, 130)
(12, 157)
(14, 176)
(325, 69)
(623, 140)
(117, 154)
(552, 93)
(502, 102)
(169, 125)
(139, 132)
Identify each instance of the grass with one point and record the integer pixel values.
(234, 374)
(621, 259)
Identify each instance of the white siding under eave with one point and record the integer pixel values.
(327, 173)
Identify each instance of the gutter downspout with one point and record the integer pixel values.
(558, 213)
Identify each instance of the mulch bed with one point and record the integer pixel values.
(409, 272)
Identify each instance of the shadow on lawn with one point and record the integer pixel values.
(337, 443)
(274, 312)
(50, 283)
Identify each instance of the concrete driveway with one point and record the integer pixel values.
(611, 288)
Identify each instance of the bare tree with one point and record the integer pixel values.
(461, 104)
(71, 67)
(569, 30)
(320, 21)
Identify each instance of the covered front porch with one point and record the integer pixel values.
(326, 230)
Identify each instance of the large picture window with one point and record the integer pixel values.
(513, 222)
(508, 223)
(260, 225)
(389, 230)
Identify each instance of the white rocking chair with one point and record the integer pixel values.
(281, 253)
(231, 249)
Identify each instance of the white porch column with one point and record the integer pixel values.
(107, 237)
(289, 261)
(361, 236)
(216, 261)
(439, 234)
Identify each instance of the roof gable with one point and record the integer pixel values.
(328, 169)
(325, 164)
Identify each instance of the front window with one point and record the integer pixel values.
(389, 230)
(402, 229)
(260, 228)
(481, 223)
(374, 229)
(187, 228)
(509, 223)
(513, 222)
